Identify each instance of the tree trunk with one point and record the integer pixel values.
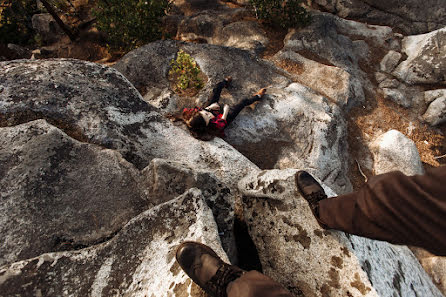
(61, 24)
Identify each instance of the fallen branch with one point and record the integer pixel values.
(439, 157)
(360, 171)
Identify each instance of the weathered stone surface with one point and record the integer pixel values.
(436, 112)
(138, 261)
(310, 261)
(60, 194)
(165, 180)
(426, 59)
(300, 129)
(411, 17)
(435, 266)
(330, 81)
(430, 96)
(380, 77)
(394, 151)
(335, 42)
(284, 122)
(200, 27)
(246, 35)
(97, 105)
(147, 68)
(390, 61)
(397, 96)
(389, 84)
(46, 27)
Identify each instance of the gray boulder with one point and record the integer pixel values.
(410, 17)
(97, 105)
(333, 82)
(310, 261)
(436, 112)
(394, 151)
(138, 260)
(246, 35)
(299, 129)
(396, 95)
(164, 180)
(285, 121)
(61, 194)
(147, 68)
(390, 61)
(46, 27)
(426, 59)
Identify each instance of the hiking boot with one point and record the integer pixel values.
(260, 93)
(311, 190)
(206, 269)
(227, 81)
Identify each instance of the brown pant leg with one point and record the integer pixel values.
(255, 284)
(400, 209)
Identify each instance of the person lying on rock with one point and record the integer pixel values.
(393, 207)
(210, 120)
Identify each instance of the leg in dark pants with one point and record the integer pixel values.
(216, 92)
(400, 209)
(236, 109)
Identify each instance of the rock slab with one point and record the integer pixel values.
(310, 261)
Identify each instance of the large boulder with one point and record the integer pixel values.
(410, 17)
(436, 111)
(97, 105)
(301, 128)
(333, 82)
(58, 114)
(139, 260)
(426, 59)
(394, 151)
(147, 68)
(48, 204)
(165, 180)
(348, 45)
(47, 28)
(310, 261)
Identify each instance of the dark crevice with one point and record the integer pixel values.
(248, 257)
(23, 117)
(62, 243)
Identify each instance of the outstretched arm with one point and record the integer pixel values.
(225, 112)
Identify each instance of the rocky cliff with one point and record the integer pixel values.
(99, 186)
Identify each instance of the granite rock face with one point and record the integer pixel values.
(147, 68)
(410, 17)
(394, 151)
(60, 194)
(426, 59)
(436, 111)
(284, 121)
(300, 129)
(97, 105)
(310, 261)
(138, 261)
(335, 83)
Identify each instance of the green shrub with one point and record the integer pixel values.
(185, 73)
(15, 22)
(132, 23)
(280, 13)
